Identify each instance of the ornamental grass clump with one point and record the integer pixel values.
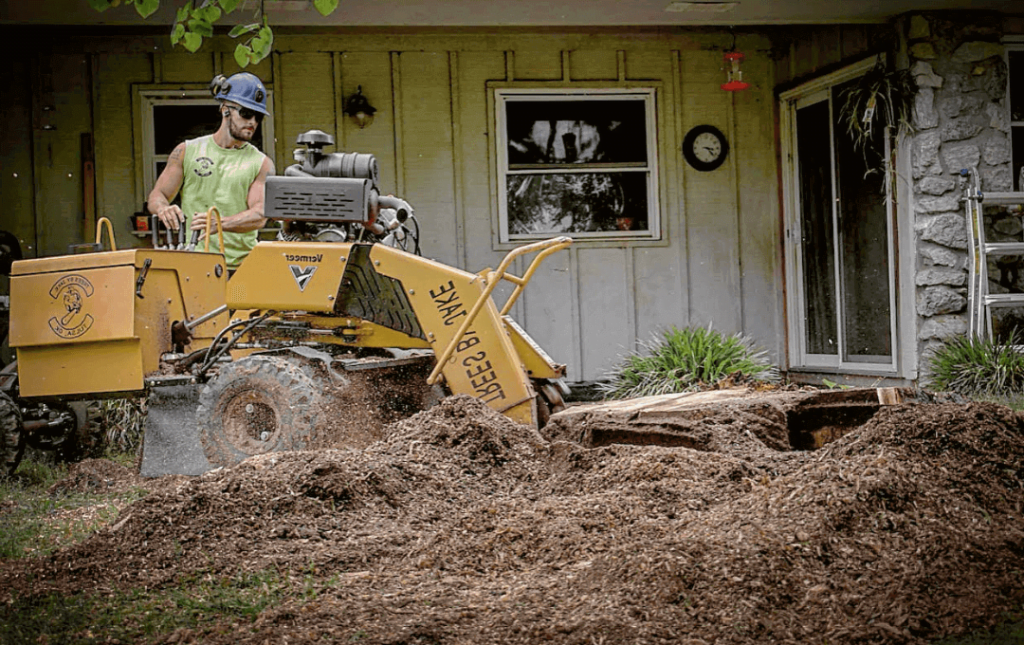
(686, 360)
(973, 366)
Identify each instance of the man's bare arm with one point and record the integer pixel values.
(167, 186)
(251, 219)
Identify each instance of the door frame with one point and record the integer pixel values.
(903, 361)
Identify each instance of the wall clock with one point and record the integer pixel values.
(705, 147)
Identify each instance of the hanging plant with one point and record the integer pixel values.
(880, 101)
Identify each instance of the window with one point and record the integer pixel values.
(169, 116)
(580, 162)
(1015, 60)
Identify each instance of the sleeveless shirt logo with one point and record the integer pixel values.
(204, 166)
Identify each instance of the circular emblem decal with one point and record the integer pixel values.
(71, 294)
(204, 166)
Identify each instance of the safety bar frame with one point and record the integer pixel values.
(491, 281)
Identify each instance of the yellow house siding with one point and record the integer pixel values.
(426, 140)
(757, 187)
(63, 111)
(306, 90)
(17, 189)
(118, 192)
(711, 219)
(184, 68)
(372, 71)
(659, 272)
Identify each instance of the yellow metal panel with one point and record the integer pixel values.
(484, 365)
(178, 286)
(356, 332)
(283, 276)
(536, 361)
(75, 306)
(63, 263)
(92, 368)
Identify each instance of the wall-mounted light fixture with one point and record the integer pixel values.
(359, 109)
(733, 73)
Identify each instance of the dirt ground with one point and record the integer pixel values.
(461, 526)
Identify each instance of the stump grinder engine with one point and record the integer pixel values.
(318, 340)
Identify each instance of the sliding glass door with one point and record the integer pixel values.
(840, 251)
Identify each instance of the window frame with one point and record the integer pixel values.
(799, 359)
(1014, 44)
(501, 94)
(147, 97)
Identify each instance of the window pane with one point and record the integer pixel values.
(864, 246)
(818, 250)
(577, 202)
(173, 124)
(1017, 85)
(576, 131)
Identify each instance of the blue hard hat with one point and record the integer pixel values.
(242, 88)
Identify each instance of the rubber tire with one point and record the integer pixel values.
(12, 439)
(285, 404)
(549, 401)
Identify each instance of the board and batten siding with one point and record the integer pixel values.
(719, 258)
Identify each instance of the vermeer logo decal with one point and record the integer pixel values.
(302, 275)
(204, 165)
(72, 292)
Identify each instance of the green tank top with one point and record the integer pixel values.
(220, 177)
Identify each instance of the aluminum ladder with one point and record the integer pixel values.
(980, 302)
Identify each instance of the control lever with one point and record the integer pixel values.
(192, 243)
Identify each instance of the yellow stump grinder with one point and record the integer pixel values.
(319, 338)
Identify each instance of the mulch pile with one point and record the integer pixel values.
(464, 527)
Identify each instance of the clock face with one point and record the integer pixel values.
(705, 147)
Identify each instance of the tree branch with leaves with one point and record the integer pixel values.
(195, 20)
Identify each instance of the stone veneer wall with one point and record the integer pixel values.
(961, 120)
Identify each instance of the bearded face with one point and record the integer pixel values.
(240, 129)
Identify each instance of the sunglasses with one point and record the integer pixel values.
(246, 113)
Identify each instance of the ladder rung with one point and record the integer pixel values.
(1004, 300)
(1004, 248)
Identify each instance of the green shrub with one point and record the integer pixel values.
(685, 360)
(973, 366)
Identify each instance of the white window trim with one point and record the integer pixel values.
(648, 93)
(146, 97)
(797, 360)
(1012, 44)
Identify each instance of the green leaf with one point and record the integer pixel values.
(228, 5)
(100, 5)
(267, 36)
(200, 27)
(146, 7)
(177, 33)
(325, 7)
(192, 41)
(242, 55)
(182, 14)
(210, 14)
(238, 30)
(256, 57)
